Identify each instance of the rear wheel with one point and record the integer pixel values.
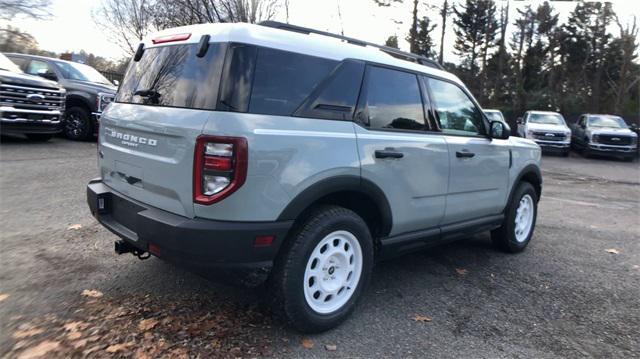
(323, 269)
(39, 137)
(77, 124)
(520, 220)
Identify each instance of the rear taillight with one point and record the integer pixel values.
(219, 167)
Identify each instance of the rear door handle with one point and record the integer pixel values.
(388, 154)
(464, 154)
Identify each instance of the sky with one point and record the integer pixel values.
(72, 26)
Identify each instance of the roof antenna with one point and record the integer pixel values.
(139, 52)
(203, 46)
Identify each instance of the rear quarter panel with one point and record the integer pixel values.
(286, 156)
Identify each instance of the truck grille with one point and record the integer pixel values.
(31, 97)
(549, 136)
(614, 140)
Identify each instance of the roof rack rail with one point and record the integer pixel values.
(389, 50)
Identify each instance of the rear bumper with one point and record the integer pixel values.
(192, 242)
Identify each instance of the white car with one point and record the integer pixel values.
(548, 129)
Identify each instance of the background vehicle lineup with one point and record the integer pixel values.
(604, 134)
(29, 105)
(266, 188)
(88, 92)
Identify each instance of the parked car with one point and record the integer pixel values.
(604, 135)
(261, 146)
(29, 105)
(88, 92)
(547, 129)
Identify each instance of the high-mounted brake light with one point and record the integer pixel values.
(171, 38)
(219, 167)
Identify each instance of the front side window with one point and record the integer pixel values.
(392, 100)
(457, 114)
(174, 76)
(546, 118)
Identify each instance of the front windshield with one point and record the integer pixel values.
(494, 116)
(80, 72)
(6, 64)
(546, 118)
(607, 121)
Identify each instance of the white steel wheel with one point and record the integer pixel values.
(332, 272)
(524, 218)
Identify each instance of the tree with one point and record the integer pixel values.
(126, 21)
(621, 77)
(424, 43)
(445, 11)
(392, 41)
(36, 9)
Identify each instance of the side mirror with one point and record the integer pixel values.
(116, 82)
(633, 127)
(519, 120)
(583, 126)
(499, 130)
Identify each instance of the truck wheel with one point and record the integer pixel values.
(77, 124)
(39, 137)
(323, 268)
(520, 220)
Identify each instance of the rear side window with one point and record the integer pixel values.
(174, 76)
(392, 100)
(282, 80)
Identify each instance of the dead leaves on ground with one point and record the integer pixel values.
(3, 297)
(612, 251)
(145, 327)
(421, 318)
(307, 343)
(91, 293)
(462, 271)
(74, 227)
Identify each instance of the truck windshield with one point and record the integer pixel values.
(607, 121)
(174, 76)
(546, 118)
(80, 72)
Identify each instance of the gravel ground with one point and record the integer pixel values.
(64, 293)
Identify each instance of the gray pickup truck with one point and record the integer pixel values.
(88, 92)
(305, 153)
(606, 135)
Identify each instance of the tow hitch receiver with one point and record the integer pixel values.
(122, 247)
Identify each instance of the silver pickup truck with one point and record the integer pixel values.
(604, 135)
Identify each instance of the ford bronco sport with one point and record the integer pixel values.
(311, 154)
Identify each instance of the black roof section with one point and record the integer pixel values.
(389, 50)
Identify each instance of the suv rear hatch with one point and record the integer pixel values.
(148, 135)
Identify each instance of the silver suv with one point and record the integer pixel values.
(307, 153)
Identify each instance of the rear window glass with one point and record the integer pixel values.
(282, 80)
(174, 76)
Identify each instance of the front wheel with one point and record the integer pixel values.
(77, 124)
(520, 220)
(323, 269)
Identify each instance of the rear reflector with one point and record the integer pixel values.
(217, 163)
(171, 38)
(263, 241)
(153, 249)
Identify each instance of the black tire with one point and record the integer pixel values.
(287, 281)
(505, 237)
(39, 137)
(77, 124)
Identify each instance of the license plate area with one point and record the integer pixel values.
(124, 212)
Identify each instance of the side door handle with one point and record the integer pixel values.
(464, 154)
(388, 153)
